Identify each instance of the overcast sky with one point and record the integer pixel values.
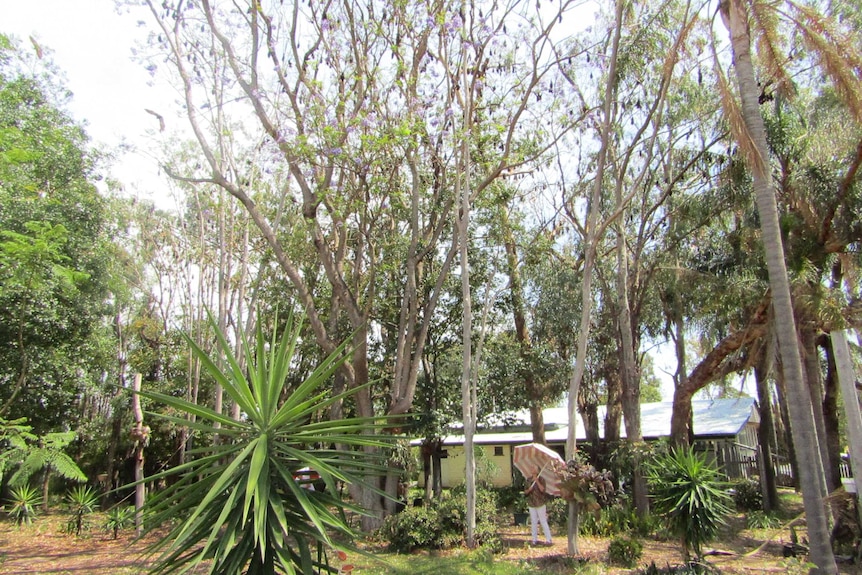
(92, 44)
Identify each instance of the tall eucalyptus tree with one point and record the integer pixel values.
(361, 105)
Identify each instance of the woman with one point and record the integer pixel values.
(536, 499)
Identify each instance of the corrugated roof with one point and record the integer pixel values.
(712, 418)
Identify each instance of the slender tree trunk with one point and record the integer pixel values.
(628, 369)
(116, 412)
(802, 424)
(784, 420)
(847, 379)
(814, 380)
(139, 456)
(831, 423)
(591, 241)
(522, 333)
(765, 431)
(614, 411)
(463, 187)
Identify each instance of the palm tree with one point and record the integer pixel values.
(742, 18)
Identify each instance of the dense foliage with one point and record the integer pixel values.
(748, 494)
(54, 252)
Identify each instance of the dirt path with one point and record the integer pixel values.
(43, 548)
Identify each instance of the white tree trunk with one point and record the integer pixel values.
(847, 380)
(139, 456)
(591, 241)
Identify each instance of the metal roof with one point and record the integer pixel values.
(712, 418)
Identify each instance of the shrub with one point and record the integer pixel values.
(613, 520)
(624, 551)
(690, 494)
(617, 518)
(692, 568)
(510, 497)
(558, 511)
(488, 537)
(747, 495)
(238, 504)
(443, 523)
(25, 500)
(761, 520)
(413, 528)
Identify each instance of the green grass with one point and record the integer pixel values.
(454, 563)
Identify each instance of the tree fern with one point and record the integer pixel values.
(48, 452)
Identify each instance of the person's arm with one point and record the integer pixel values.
(540, 483)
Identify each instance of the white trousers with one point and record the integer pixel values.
(539, 515)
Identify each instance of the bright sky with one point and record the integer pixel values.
(92, 44)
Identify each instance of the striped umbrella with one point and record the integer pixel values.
(535, 458)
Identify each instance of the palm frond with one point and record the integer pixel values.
(769, 42)
(837, 54)
(735, 120)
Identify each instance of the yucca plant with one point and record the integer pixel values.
(83, 501)
(240, 508)
(690, 494)
(119, 518)
(25, 499)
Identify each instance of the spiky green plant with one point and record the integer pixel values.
(119, 518)
(25, 499)
(690, 494)
(238, 504)
(82, 501)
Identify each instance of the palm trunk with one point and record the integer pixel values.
(802, 423)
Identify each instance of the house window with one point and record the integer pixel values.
(498, 450)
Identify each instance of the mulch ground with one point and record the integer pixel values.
(43, 548)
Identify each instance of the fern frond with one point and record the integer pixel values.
(66, 467)
(58, 439)
(34, 461)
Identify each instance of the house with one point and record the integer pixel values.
(727, 428)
